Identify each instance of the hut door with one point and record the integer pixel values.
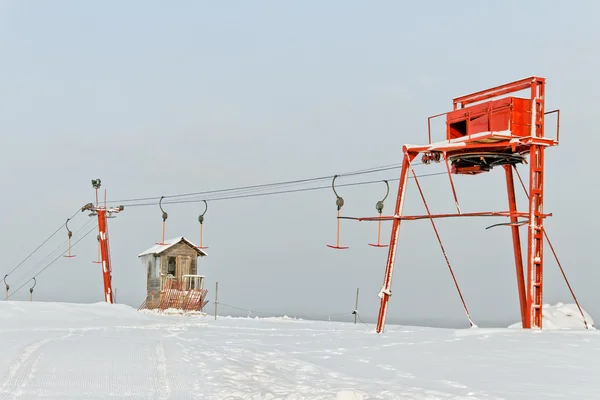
(183, 266)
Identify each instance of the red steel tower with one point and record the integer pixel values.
(487, 129)
(103, 214)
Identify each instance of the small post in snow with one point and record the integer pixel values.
(31, 289)
(355, 312)
(216, 298)
(7, 287)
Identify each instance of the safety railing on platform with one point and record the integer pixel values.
(174, 295)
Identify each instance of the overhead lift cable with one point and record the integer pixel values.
(224, 194)
(43, 243)
(52, 262)
(243, 196)
(26, 275)
(253, 188)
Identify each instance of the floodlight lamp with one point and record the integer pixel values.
(96, 183)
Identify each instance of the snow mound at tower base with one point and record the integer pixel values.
(562, 316)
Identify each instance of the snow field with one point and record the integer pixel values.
(100, 351)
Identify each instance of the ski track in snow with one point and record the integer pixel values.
(94, 353)
(162, 385)
(22, 369)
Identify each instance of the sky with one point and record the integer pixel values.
(158, 99)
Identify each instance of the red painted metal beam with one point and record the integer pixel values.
(425, 216)
(503, 142)
(535, 236)
(518, 254)
(497, 91)
(389, 268)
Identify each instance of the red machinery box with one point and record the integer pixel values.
(506, 114)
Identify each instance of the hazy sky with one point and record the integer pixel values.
(159, 98)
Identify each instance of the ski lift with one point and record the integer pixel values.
(69, 233)
(164, 218)
(201, 220)
(110, 215)
(31, 289)
(379, 208)
(339, 202)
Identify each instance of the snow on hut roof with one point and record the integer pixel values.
(159, 248)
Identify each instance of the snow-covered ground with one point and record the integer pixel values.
(100, 351)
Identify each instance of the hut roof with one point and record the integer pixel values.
(160, 248)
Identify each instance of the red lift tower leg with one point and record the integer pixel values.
(387, 283)
(535, 237)
(535, 234)
(512, 206)
(562, 271)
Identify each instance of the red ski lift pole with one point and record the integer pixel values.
(339, 202)
(201, 220)
(31, 289)
(379, 208)
(164, 218)
(69, 233)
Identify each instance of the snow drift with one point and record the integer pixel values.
(562, 316)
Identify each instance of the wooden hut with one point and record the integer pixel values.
(172, 279)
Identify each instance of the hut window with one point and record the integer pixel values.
(171, 269)
(157, 267)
